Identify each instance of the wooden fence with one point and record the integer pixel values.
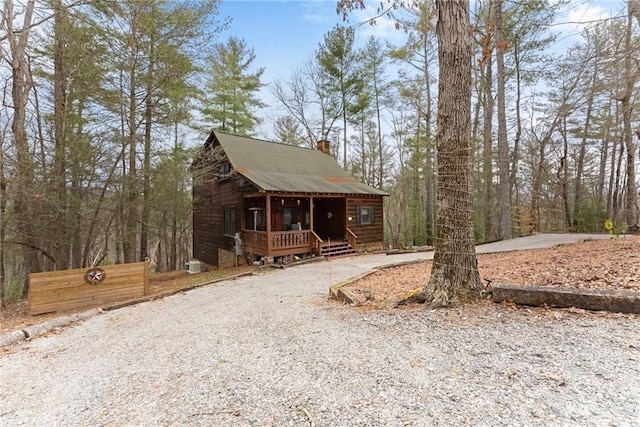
(68, 289)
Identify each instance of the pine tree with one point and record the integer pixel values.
(338, 59)
(231, 88)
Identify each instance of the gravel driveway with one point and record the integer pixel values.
(271, 350)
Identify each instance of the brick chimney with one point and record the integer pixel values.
(323, 146)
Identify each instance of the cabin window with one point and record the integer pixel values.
(224, 171)
(229, 222)
(364, 215)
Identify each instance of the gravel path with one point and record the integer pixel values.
(271, 350)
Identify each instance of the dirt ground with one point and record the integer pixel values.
(596, 264)
(15, 316)
(593, 264)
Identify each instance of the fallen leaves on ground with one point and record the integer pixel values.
(593, 264)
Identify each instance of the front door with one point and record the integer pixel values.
(329, 218)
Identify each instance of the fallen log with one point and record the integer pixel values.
(589, 299)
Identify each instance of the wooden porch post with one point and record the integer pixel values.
(268, 225)
(311, 214)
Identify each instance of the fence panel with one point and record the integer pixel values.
(68, 289)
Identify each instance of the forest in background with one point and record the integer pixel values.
(106, 104)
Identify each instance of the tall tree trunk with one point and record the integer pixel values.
(61, 235)
(616, 190)
(363, 160)
(537, 186)
(76, 227)
(612, 177)
(21, 85)
(604, 152)
(504, 194)
(563, 177)
(344, 131)
(146, 166)
(612, 169)
(631, 190)
(515, 155)
(3, 206)
(454, 276)
(119, 232)
(146, 184)
(487, 147)
(577, 204)
(415, 181)
(431, 159)
(476, 160)
(430, 178)
(376, 95)
(173, 248)
(130, 225)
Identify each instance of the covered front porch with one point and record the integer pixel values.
(282, 224)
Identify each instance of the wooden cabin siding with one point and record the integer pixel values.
(210, 201)
(370, 236)
(203, 233)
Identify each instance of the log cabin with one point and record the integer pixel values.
(266, 200)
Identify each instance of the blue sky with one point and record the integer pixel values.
(282, 33)
(285, 33)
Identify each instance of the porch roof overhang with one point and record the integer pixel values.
(278, 182)
(263, 193)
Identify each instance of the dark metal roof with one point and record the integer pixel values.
(272, 166)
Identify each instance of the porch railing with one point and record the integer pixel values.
(256, 242)
(316, 243)
(285, 240)
(277, 243)
(352, 238)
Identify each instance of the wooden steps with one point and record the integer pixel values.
(336, 249)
